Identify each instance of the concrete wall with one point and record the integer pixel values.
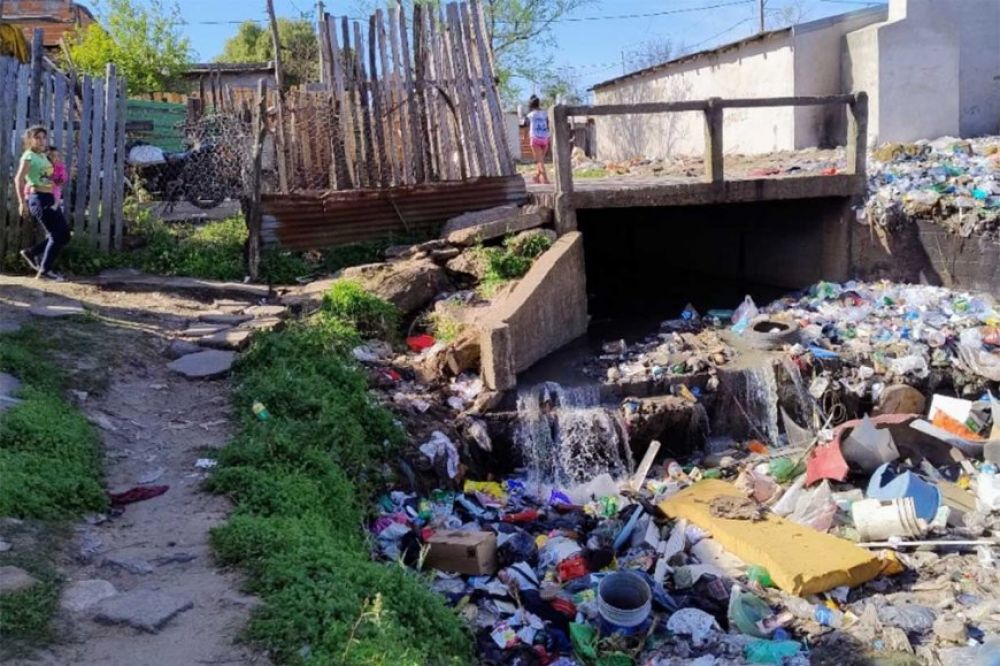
(979, 69)
(760, 68)
(818, 71)
(547, 309)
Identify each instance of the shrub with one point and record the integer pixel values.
(366, 312)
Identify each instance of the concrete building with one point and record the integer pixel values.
(930, 67)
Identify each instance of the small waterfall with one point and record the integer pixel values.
(747, 403)
(762, 400)
(806, 403)
(567, 437)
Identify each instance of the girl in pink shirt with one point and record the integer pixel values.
(59, 176)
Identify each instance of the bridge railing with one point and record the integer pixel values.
(712, 108)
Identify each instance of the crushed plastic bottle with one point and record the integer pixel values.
(260, 411)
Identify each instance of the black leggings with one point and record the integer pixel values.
(42, 206)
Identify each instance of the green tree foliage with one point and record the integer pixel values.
(141, 39)
(299, 48)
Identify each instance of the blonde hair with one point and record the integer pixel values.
(32, 132)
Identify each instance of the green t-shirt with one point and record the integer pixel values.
(39, 175)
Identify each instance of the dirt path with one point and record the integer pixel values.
(155, 426)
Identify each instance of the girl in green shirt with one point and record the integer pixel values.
(33, 184)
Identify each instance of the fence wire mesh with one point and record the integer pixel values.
(215, 165)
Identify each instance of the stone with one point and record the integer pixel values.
(200, 330)
(230, 306)
(471, 263)
(232, 338)
(83, 594)
(228, 319)
(204, 365)
(266, 311)
(55, 310)
(180, 348)
(260, 324)
(445, 254)
(9, 384)
(516, 242)
(210, 290)
(900, 399)
(950, 630)
(4, 546)
(130, 562)
(520, 220)
(144, 609)
(474, 218)
(15, 579)
(409, 285)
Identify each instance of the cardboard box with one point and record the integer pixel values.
(470, 553)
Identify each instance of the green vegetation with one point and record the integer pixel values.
(301, 481)
(596, 172)
(372, 317)
(299, 45)
(143, 41)
(444, 326)
(50, 467)
(513, 259)
(212, 251)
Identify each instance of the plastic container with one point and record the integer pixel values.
(877, 520)
(886, 484)
(624, 599)
(828, 617)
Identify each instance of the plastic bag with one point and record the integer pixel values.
(744, 314)
(771, 652)
(747, 612)
(975, 357)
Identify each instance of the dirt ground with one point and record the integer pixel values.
(155, 425)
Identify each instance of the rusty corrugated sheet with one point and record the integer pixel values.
(314, 220)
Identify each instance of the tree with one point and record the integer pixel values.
(561, 86)
(142, 40)
(300, 48)
(650, 53)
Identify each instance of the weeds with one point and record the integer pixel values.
(444, 326)
(512, 260)
(301, 481)
(25, 615)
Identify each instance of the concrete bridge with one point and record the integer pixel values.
(618, 234)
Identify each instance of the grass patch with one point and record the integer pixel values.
(511, 260)
(212, 251)
(444, 326)
(50, 470)
(595, 172)
(301, 482)
(371, 316)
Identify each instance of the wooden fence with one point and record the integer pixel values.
(86, 121)
(402, 107)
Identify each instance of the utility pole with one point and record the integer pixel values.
(760, 14)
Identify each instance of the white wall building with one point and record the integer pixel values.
(930, 67)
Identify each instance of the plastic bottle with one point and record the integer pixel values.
(759, 575)
(802, 609)
(261, 411)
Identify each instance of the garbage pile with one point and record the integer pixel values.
(954, 182)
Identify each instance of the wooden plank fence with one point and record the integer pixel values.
(407, 100)
(85, 117)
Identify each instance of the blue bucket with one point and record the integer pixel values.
(886, 484)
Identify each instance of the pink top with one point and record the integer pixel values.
(58, 180)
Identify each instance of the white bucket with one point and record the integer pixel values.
(624, 599)
(876, 519)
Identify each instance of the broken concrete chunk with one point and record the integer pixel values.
(180, 348)
(202, 329)
(130, 562)
(260, 324)
(478, 217)
(233, 338)
(15, 579)
(266, 310)
(228, 319)
(83, 594)
(58, 309)
(409, 285)
(472, 262)
(204, 365)
(143, 609)
(519, 221)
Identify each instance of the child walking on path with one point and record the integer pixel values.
(34, 184)
(538, 137)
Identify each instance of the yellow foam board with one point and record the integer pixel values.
(800, 560)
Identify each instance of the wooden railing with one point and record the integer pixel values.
(712, 108)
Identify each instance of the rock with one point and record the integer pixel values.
(261, 324)
(9, 384)
(15, 579)
(444, 254)
(209, 290)
(520, 220)
(517, 242)
(228, 319)
(266, 310)
(204, 365)
(4, 546)
(144, 609)
(900, 399)
(950, 630)
(474, 218)
(463, 352)
(409, 285)
(232, 338)
(180, 348)
(83, 594)
(90, 545)
(129, 562)
(201, 330)
(60, 309)
(472, 262)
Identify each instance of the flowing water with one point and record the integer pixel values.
(747, 402)
(568, 437)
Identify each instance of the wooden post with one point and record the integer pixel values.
(713, 141)
(562, 156)
(83, 165)
(107, 160)
(35, 100)
(251, 201)
(279, 136)
(321, 28)
(857, 135)
(96, 146)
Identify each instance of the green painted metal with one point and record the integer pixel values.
(168, 123)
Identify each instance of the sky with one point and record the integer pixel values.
(588, 44)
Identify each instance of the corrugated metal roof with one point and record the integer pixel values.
(54, 17)
(877, 13)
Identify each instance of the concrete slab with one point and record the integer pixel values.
(226, 318)
(202, 329)
(79, 596)
(517, 221)
(180, 348)
(143, 609)
(260, 324)
(800, 560)
(204, 365)
(266, 310)
(130, 280)
(233, 338)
